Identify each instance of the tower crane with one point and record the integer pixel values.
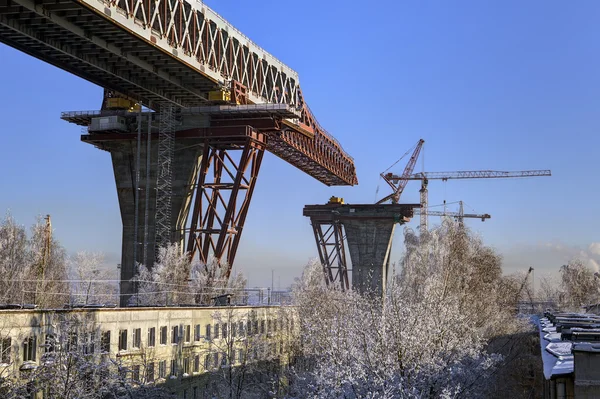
(523, 286)
(460, 215)
(398, 184)
(424, 177)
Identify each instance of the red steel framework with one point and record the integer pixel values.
(330, 239)
(222, 195)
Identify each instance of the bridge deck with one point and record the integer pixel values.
(158, 51)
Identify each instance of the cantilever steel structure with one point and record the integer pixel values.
(165, 53)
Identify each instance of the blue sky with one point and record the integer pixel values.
(506, 85)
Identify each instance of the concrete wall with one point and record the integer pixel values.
(587, 370)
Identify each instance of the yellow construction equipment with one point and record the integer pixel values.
(122, 104)
(336, 200)
(219, 96)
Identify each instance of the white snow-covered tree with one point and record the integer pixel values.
(91, 280)
(174, 279)
(578, 286)
(425, 339)
(21, 258)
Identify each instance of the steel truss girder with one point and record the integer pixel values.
(222, 197)
(198, 37)
(93, 61)
(330, 239)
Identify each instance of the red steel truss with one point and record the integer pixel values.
(222, 195)
(330, 240)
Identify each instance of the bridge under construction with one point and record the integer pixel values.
(190, 106)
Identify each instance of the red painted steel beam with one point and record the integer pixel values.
(222, 198)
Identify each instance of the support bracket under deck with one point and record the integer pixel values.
(330, 239)
(222, 195)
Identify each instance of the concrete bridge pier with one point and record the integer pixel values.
(369, 230)
(370, 244)
(185, 166)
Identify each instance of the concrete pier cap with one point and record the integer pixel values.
(369, 230)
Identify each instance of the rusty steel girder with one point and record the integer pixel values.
(330, 240)
(222, 196)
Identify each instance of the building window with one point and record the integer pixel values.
(240, 356)
(162, 368)
(262, 326)
(5, 348)
(188, 333)
(255, 329)
(163, 335)
(233, 330)
(196, 363)
(217, 331)
(72, 341)
(195, 393)
(224, 329)
(105, 342)
(123, 340)
(186, 366)
(241, 328)
(89, 343)
(137, 338)
(150, 372)
(151, 337)
(197, 332)
(223, 359)
(50, 344)
(232, 360)
(208, 332)
(175, 335)
(269, 325)
(135, 373)
(274, 325)
(207, 359)
(174, 367)
(215, 360)
(29, 349)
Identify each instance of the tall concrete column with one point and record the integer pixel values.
(369, 244)
(185, 167)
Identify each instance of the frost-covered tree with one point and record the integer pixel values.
(91, 281)
(21, 261)
(578, 286)
(13, 260)
(174, 279)
(167, 282)
(426, 338)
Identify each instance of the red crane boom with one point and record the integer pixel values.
(400, 182)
